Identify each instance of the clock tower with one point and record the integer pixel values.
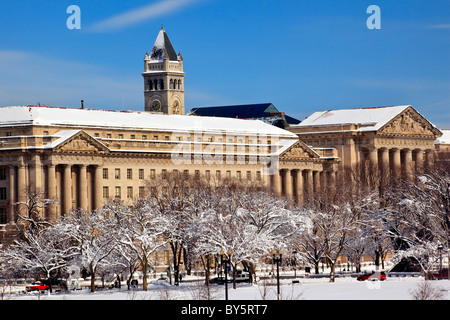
(163, 78)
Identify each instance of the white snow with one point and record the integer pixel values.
(445, 139)
(88, 118)
(306, 289)
(367, 118)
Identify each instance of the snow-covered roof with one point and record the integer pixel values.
(369, 119)
(89, 118)
(445, 139)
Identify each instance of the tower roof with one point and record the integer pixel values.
(161, 47)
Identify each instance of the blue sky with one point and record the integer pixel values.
(303, 56)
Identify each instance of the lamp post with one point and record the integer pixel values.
(278, 260)
(224, 260)
(440, 247)
(294, 252)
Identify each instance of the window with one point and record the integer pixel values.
(120, 136)
(141, 192)
(117, 174)
(238, 175)
(258, 175)
(130, 174)
(97, 135)
(186, 173)
(130, 192)
(108, 135)
(144, 137)
(105, 192)
(208, 174)
(2, 193)
(197, 173)
(9, 134)
(118, 193)
(228, 174)
(2, 173)
(155, 137)
(141, 174)
(133, 136)
(218, 174)
(45, 133)
(2, 215)
(152, 174)
(249, 175)
(105, 173)
(166, 138)
(164, 173)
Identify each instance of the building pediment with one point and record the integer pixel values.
(410, 123)
(81, 142)
(298, 151)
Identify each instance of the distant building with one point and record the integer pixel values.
(263, 111)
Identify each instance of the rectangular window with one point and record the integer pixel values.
(228, 174)
(152, 174)
(105, 173)
(164, 173)
(2, 173)
(130, 174)
(117, 174)
(133, 136)
(217, 174)
(141, 192)
(2, 193)
(97, 135)
(108, 135)
(249, 175)
(2, 215)
(186, 173)
(208, 174)
(155, 137)
(141, 174)
(106, 192)
(144, 137)
(258, 175)
(120, 136)
(118, 193)
(238, 175)
(166, 138)
(130, 192)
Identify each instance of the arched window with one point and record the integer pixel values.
(150, 85)
(155, 82)
(171, 84)
(161, 84)
(179, 84)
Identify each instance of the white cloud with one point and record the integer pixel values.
(138, 15)
(440, 26)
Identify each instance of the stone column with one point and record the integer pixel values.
(419, 161)
(299, 187)
(309, 186)
(316, 182)
(83, 196)
(67, 189)
(429, 159)
(396, 163)
(373, 158)
(98, 187)
(12, 194)
(385, 162)
(51, 192)
(408, 164)
(22, 183)
(288, 188)
(332, 181)
(277, 182)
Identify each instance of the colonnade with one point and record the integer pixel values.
(71, 185)
(301, 184)
(400, 162)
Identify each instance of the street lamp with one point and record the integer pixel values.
(294, 252)
(224, 260)
(440, 248)
(277, 260)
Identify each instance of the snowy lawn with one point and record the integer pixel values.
(306, 289)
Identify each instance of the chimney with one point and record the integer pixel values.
(82, 104)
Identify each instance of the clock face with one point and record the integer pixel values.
(156, 106)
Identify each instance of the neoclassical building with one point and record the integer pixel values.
(395, 140)
(82, 157)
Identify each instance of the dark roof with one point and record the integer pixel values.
(245, 111)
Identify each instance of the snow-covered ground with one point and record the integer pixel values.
(306, 289)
